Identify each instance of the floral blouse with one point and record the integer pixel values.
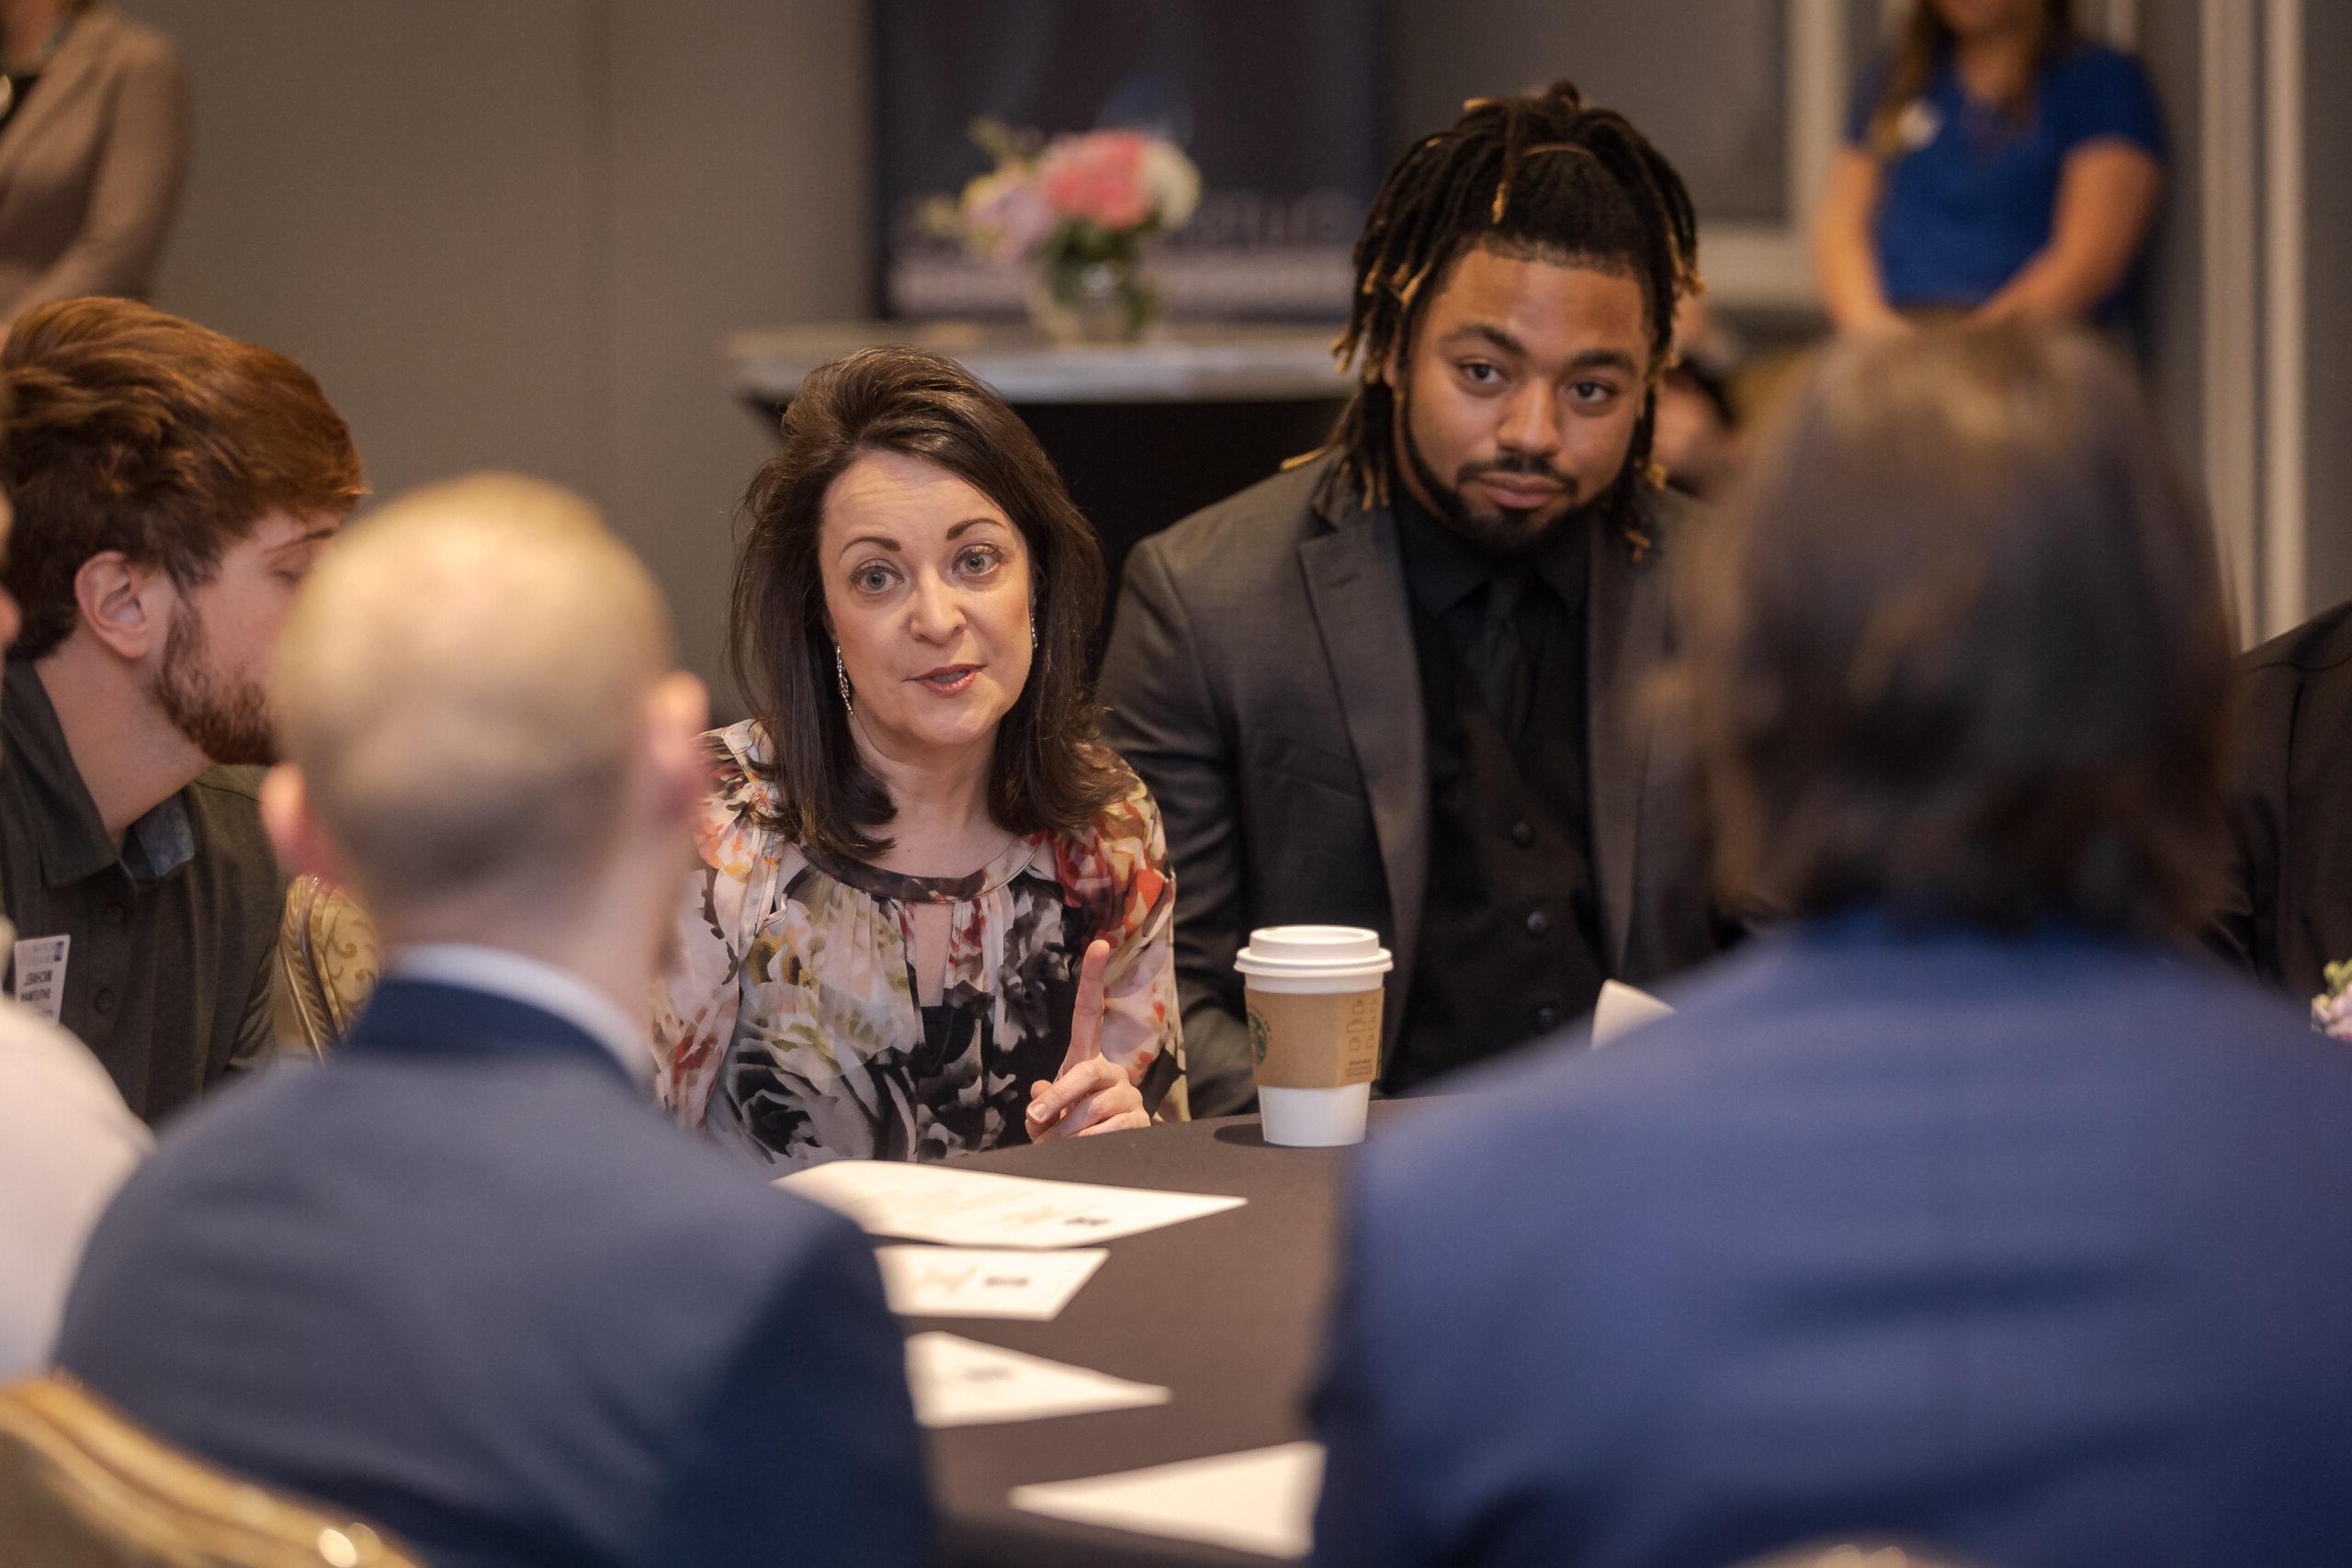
(788, 1023)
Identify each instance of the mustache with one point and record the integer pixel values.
(1518, 466)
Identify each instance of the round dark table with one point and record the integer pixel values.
(1225, 1312)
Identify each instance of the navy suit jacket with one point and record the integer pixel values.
(465, 1281)
(2039, 1249)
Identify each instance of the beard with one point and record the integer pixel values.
(225, 718)
(1502, 531)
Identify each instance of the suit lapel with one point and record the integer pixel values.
(1356, 582)
(59, 86)
(1627, 633)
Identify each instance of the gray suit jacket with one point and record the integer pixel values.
(91, 167)
(1261, 679)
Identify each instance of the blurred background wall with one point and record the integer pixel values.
(513, 233)
(2326, 181)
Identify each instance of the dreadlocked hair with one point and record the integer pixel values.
(1541, 176)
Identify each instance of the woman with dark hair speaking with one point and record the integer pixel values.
(934, 912)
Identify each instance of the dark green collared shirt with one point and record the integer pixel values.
(169, 939)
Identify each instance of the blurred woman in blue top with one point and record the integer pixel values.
(1997, 163)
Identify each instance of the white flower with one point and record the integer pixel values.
(1173, 181)
(2332, 1009)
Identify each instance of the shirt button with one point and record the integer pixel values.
(1522, 834)
(104, 1000)
(1547, 1017)
(114, 914)
(1539, 924)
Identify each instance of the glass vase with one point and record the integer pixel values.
(1102, 299)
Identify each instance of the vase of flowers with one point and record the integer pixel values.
(1084, 211)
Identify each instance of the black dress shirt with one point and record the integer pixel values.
(169, 937)
(1510, 946)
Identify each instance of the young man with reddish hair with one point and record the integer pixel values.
(172, 486)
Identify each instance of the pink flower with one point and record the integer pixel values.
(1099, 178)
(2332, 1014)
(1005, 214)
(1123, 183)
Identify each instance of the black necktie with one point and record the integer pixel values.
(1497, 656)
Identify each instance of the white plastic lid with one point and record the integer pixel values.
(1313, 952)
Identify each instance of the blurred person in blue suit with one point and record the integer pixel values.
(464, 1278)
(1968, 1203)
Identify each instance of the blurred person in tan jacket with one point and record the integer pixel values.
(93, 150)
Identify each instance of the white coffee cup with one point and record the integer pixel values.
(1314, 995)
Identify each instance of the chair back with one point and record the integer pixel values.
(328, 959)
(83, 1486)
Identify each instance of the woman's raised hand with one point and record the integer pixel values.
(1091, 1095)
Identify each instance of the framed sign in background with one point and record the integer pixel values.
(1279, 102)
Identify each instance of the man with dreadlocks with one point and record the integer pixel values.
(1398, 686)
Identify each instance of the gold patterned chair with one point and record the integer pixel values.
(1866, 1554)
(82, 1486)
(327, 962)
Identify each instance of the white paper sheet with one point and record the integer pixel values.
(1262, 1501)
(971, 1282)
(972, 1208)
(962, 1383)
(1622, 1009)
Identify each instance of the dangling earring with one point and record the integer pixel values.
(841, 678)
(1032, 628)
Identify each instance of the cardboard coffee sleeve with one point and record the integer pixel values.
(1314, 1041)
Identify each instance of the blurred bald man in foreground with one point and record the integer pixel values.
(464, 1278)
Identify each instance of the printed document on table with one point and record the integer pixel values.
(962, 1383)
(973, 1208)
(971, 1282)
(1621, 1009)
(1262, 1501)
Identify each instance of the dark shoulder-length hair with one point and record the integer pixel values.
(1049, 771)
(1926, 42)
(1958, 647)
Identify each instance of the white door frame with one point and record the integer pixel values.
(2250, 176)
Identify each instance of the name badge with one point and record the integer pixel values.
(1917, 124)
(40, 975)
